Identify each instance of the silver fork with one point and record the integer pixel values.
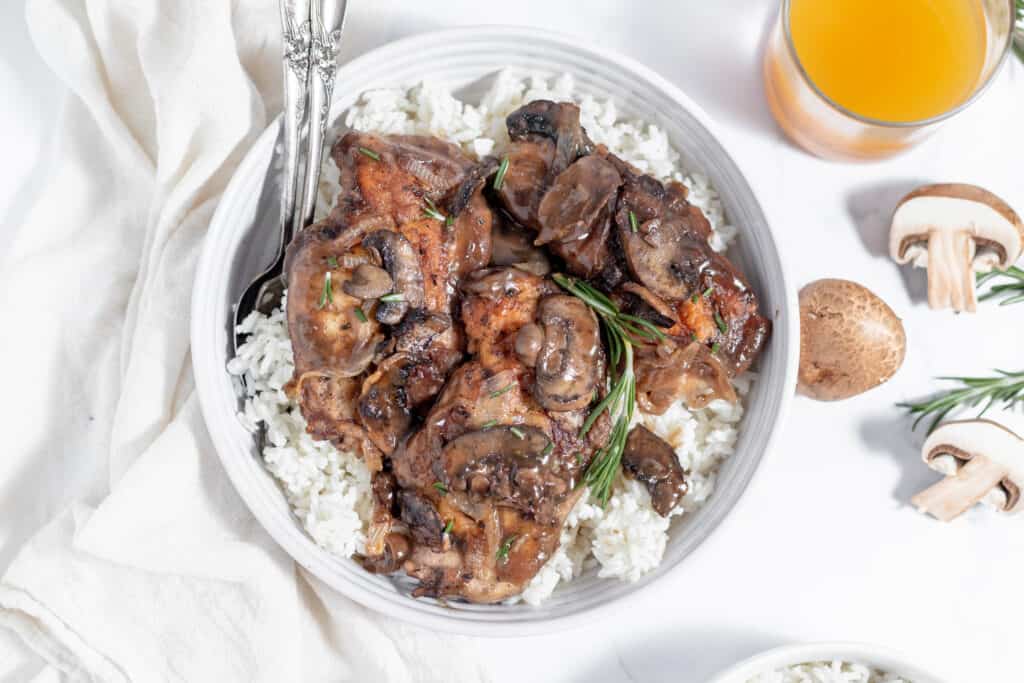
(310, 34)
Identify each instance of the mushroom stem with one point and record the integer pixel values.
(951, 497)
(950, 275)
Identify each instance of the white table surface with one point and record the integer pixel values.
(823, 545)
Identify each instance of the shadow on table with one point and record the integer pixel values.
(892, 437)
(870, 207)
(720, 66)
(677, 657)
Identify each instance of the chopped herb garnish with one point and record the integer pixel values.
(360, 315)
(504, 390)
(489, 424)
(714, 347)
(448, 526)
(547, 449)
(518, 432)
(707, 292)
(391, 298)
(499, 178)
(695, 298)
(369, 153)
(506, 547)
(449, 221)
(634, 224)
(722, 327)
(441, 488)
(326, 295)
(693, 336)
(332, 261)
(431, 211)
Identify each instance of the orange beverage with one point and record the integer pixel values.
(863, 79)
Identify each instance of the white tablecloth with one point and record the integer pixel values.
(133, 558)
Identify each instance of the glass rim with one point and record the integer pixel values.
(978, 91)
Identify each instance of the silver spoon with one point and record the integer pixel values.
(310, 34)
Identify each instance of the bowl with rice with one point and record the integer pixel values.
(828, 663)
(459, 85)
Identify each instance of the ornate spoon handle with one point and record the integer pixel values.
(326, 20)
(295, 39)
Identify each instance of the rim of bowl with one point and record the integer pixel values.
(886, 659)
(882, 123)
(242, 473)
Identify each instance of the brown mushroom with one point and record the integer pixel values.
(570, 361)
(529, 341)
(850, 340)
(652, 462)
(368, 282)
(399, 258)
(571, 206)
(955, 230)
(982, 461)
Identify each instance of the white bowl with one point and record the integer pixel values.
(233, 253)
(860, 653)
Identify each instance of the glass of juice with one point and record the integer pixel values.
(866, 79)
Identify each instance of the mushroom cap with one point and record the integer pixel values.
(962, 440)
(997, 230)
(850, 340)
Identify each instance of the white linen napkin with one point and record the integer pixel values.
(151, 569)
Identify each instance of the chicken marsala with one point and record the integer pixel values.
(430, 338)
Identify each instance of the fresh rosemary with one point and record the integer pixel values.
(1005, 387)
(431, 211)
(1013, 290)
(506, 546)
(326, 294)
(499, 177)
(441, 488)
(622, 332)
(369, 153)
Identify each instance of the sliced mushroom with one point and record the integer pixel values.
(982, 460)
(368, 282)
(643, 303)
(511, 245)
(571, 361)
(571, 207)
(529, 341)
(955, 230)
(652, 462)
(402, 265)
(424, 520)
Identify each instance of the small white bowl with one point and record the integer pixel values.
(858, 653)
(465, 59)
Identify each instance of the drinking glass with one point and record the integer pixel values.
(825, 128)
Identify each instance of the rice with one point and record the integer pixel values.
(329, 490)
(827, 672)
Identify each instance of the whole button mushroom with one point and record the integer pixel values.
(982, 461)
(954, 231)
(850, 340)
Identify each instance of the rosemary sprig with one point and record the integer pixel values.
(1012, 290)
(506, 546)
(622, 332)
(499, 177)
(327, 293)
(430, 210)
(1005, 387)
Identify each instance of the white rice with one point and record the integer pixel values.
(330, 490)
(827, 672)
